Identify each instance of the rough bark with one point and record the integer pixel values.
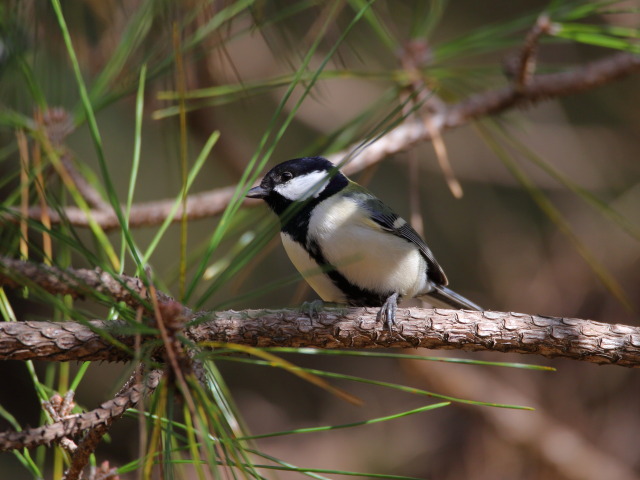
(105, 414)
(573, 338)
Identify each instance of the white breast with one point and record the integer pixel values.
(363, 253)
(311, 272)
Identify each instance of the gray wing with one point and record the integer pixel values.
(393, 223)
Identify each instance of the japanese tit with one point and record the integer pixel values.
(349, 246)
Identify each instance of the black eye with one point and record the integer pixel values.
(287, 176)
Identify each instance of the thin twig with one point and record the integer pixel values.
(47, 244)
(90, 194)
(24, 192)
(56, 125)
(523, 66)
(416, 56)
(58, 409)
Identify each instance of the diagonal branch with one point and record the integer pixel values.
(104, 415)
(492, 102)
(87, 446)
(77, 282)
(544, 87)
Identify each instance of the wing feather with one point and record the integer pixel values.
(389, 221)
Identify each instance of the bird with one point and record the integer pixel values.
(348, 245)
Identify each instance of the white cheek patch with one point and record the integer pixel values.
(304, 186)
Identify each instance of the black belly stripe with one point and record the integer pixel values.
(356, 296)
(297, 228)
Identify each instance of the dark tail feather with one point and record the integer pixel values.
(452, 299)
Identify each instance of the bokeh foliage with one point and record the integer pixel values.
(167, 98)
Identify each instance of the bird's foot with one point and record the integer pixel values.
(315, 307)
(387, 312)
(312, 308)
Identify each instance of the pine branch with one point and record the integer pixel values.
(573, 338)
(76, 282)
(578, 339)
(525, 91)
(103, 416)
(86, 447)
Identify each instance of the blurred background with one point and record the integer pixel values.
(497, 245)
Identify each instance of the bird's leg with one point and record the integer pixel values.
(387, 312)
(312, 308)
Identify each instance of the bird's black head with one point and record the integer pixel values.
(309, 179)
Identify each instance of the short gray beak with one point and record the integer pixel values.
(257, 192)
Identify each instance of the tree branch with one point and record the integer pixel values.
(105, 414)
(77, 282)
(535, 89)
(573, 338)
(543, 87)
(344, 328)
(199, 205)
(89, 442)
